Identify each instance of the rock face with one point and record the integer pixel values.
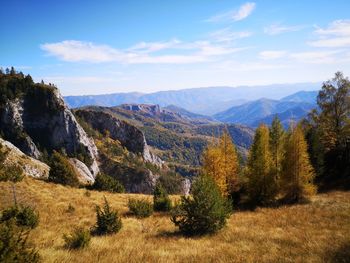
(84, 174)
(30, 166)
(129, 136)
(46, 123)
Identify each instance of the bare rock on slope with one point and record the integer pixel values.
(30, 166)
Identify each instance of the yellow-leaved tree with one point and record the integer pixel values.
(220, 161)
(297, 172)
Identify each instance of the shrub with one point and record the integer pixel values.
(140, 208)
(204, 212)
(171, 182)
(161, 200)
(14, 246)
(23, 216)
(108, 220)
(79, 238)
(62, 172)
(107, 183)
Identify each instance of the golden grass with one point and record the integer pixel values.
(315, 232)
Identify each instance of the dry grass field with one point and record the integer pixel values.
(314, 232)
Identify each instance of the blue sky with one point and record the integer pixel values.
(94, 47)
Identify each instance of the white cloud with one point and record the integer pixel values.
(73, 51)
(337, 34)
(277, 29)
(227, 35)
(149, 47)
(234, 15)
(316, 57)
(272, 54)
(141, 53)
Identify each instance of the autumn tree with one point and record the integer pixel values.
(220, 161)
(297, 173)
(329, 130)
(262, 185)
(276, 146)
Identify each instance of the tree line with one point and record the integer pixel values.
(284, 164)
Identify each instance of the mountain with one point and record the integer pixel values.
(107, 100)
(35, 122)
(35, 118)
(206, 101)
(263, 110)
(302, 96)
(177, 136)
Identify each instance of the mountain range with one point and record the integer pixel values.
(291, 108)
(223, 104)
(205, 101)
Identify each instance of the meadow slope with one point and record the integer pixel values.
(314, 232)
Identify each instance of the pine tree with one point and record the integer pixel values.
(62, 172)
(204, 212)
(161, 200)
(297, 173)
(276, 146)
(262, 185)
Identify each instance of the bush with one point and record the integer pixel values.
(14, 246)
(79, 238)
(107, 183)
(108, 220)
(23, 216)
(161, 200)
(140, 208)
(204, 212)
(62, 172)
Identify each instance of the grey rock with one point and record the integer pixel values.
(30, 166)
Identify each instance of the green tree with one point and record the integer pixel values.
(108, 220)
(330, 125)
(298, 174)
(262, 185)
(161, 200)
(14, 245)
(334, 103)
(61, 170)
(276, 132)
(204, 212)
(105, 182)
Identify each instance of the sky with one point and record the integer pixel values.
(97, 47)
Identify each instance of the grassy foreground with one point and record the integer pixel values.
(315, 232)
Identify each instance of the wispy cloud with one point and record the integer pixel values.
(337, 34)
(234, 15)
(228, 35)
(316, 57)
(272, 54)
(276, 29)
(148, 47)
(141, 53)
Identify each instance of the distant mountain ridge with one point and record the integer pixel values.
(288, 109)
(205, 101)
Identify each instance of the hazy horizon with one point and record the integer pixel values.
(312, 88)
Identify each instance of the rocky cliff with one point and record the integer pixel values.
(38, 120)
(129, 136)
